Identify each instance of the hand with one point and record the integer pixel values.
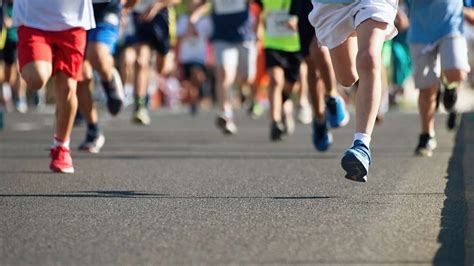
(148, 14)
(293, 23)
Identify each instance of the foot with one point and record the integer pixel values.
(114, 93)
(21, 106)
(61, 161)
(255, 110)
(356, 161)
(277, 131)
(449, 98)
(451, 123)
(336, 111)
(226, 125)
(304, 114)
(141, 116)
(288, 118)
(92, 143)
(322, 138)
(426, 145)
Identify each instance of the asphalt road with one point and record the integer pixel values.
(178, 193)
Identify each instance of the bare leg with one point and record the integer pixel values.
(225, 78)
(66, 105)
(142, 70)
(277, 84)
(427, 108)
(371, 35)
(84, 95)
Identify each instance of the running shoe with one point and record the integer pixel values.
(226, 125)
(61, 161)
(322, 138)
(92, 143)
(141, 116)
(336, 112)
(288, 118)
(114, 92)
(449, 98)
(356, 161)
(304, 114)
(451, 122)
(426, 145)
(255, 110)
(21, 106)
(277, 131)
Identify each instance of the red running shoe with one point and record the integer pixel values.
(61, 161)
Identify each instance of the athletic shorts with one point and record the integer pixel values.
(334, 23)
(187, 69)
(63, 49)
(154, 33)
(289, 61)
(242, 56)
(9, 52)
(429, 60)
(106, 34)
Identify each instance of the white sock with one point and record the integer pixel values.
(57, 143)
(365, 138)
(228, 113)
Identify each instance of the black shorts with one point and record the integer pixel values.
(9, 52)
(289, 61)
(187, 69)
(307, 34)
(154, 33)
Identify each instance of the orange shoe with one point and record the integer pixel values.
(61, 161)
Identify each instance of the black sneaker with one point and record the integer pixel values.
(114, 92)
(277, 131)
(451, 123)
(449, 98)
(426, 145)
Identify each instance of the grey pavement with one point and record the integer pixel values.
(180, 193)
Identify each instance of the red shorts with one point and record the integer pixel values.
(63, 49)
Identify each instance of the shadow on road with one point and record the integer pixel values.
(135, 194)
(451, 237)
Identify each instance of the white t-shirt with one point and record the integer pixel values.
(193, 49)
(53, 15)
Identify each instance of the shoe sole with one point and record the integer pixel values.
(355, 170)
(69, 170)
(138, 121)
(424, 153)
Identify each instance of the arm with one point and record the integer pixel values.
(469, 15)
(200, 12)
(127, 4)
(401, 21)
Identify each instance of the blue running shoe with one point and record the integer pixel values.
(322, 138)
(336, 112)
(356, 161)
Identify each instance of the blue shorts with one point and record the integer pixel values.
(106, 34)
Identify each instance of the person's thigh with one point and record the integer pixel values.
(247, 61)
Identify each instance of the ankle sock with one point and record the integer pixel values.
(61, 143)
(364, 137)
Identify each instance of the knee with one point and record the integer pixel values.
(454, 75)
(35, 78)
(348, 80)
(368, 61)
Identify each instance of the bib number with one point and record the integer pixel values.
(277, 25)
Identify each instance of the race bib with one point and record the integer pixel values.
(224, 7)
(277, 24)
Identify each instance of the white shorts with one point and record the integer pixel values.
(447, 53)
(242, 56)
(334, 23)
